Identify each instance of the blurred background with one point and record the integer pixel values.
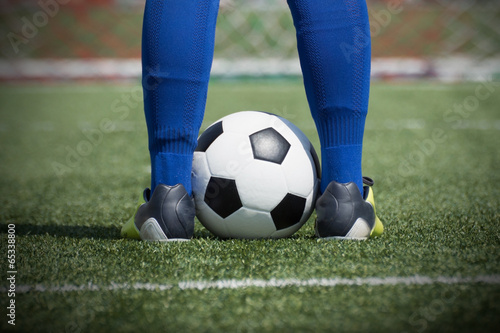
(447, 40)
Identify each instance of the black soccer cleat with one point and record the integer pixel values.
(342, 213)
(167, 215)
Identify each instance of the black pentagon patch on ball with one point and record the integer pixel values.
(222, 196)
(288, 212)
(268, 145)
(209, 136)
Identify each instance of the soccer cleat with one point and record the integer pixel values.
(167, 215)
(342, 213)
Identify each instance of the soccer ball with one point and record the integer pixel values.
(255, 175)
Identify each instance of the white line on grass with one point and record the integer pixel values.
(414, 87)
(272, 283)
(72, 88)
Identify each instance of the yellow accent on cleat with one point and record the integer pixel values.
(129, 230)
(378, 228)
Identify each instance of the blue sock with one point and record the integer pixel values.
(333, 40)
(177, 52)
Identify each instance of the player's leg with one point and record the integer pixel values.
(333, 38)
(177, 52)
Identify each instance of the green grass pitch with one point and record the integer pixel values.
(74, 162)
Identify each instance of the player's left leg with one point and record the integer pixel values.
(177, 52)
(333, 39)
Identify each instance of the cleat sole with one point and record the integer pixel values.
(151, 231)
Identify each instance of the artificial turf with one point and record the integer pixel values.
(75, 161)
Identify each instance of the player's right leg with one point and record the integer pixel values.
(333, 41)
(177, 53)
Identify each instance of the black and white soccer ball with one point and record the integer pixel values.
(255, 175)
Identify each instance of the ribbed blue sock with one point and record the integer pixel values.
(333, 38)
(177, 52)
